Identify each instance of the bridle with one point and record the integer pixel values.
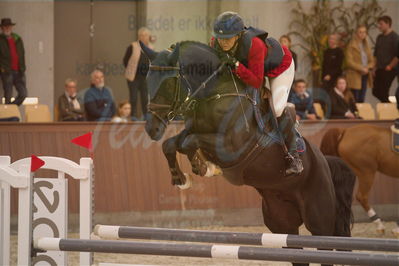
(179, 108)
(171, 108)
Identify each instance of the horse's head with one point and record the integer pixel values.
(173, 76)
(162, 89)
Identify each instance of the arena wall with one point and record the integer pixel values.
(132, 177)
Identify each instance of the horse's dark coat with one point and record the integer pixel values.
(217, 127)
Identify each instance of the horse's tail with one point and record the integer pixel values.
(331, 139)
(344, 182)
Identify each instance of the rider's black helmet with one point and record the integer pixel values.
(227, 25)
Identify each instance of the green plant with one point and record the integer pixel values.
(364, 13)
(312, 28)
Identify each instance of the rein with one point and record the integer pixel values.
(175, 108)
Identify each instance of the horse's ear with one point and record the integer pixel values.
(151, 54)
(174, 56)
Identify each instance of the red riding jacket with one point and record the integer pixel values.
(252, 72)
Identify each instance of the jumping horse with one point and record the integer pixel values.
(219, 114)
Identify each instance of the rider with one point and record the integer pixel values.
(245, 50)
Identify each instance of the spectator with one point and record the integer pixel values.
(286, 41)
(360, 62)
(99, 103)
(397, 89)
(136, 64)
(69, 106)
(12, 62)
(333, 58)
(303, 101)
(9, 119)
(385, 52)
(342, 102)
(124, 112)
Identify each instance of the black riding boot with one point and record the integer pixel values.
(293, 162)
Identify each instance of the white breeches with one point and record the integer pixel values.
(280, 87)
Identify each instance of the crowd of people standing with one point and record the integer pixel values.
(346, 75)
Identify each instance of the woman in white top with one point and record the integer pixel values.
(123, 113)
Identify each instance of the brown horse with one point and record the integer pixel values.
(366, 149)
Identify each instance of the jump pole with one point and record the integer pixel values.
(215, 251)
(258, 239)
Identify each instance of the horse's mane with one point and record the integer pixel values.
(200, 44)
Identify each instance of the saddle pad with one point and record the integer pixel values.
(395, 139)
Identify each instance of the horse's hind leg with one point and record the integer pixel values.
(366, 180)
(280, 214)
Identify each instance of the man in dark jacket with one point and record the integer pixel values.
(69, 107)
(385, 53)
(302, 100)
(99, 103)
(136, 64)
(12, 63)
(333, 59)
(397, 89)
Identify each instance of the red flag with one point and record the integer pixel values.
(36, 163)
(84, 141)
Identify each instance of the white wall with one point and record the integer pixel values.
(176, 20)
(35, 24)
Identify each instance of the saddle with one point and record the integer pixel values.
(395, 136)
(268, 123)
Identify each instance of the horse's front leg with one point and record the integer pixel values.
(169, 148)
(190, 145)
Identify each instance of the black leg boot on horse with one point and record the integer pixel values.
(287, 126)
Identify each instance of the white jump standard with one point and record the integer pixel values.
(49, 245)
(257, 239)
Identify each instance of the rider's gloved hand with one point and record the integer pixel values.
(228, 60)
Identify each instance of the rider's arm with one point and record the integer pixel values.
(254, 74)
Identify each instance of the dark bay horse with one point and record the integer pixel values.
(366, 149)
(219, 117)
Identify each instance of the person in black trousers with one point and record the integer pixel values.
(385, 52)
(137, 64)
(397, 89)
(12, 63)
(333, 58)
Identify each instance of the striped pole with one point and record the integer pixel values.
(269, 240)
(216, 251)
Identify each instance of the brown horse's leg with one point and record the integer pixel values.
(366, 179)
(280, 214)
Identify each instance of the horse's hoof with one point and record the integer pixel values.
(176, 180)
(395, 232)
(188, 184)
(212, 170)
